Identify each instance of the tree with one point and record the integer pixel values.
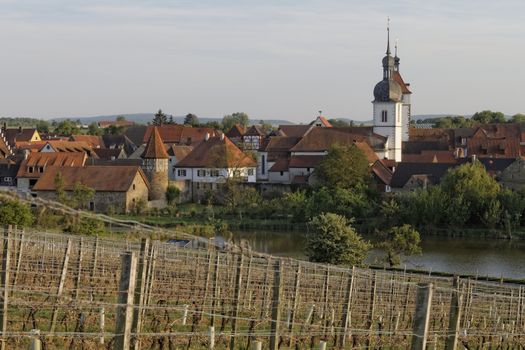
(343, 167)
(82, 194)
(518, 118)
(228, 121)
(401, 240)
(67, 128)
(172, 194)
(160, 118)
(14, 212)
(121, 118)
(333, 240)
(191, 119)
(93, 129)
(487, 116)
(42, 126)
(59, 188)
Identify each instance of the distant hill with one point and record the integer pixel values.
(144, 118)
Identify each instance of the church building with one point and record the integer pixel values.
(392, 105)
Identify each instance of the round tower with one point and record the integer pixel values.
(155, 165)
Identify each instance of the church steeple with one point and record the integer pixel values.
(388, 37)
(396, 58)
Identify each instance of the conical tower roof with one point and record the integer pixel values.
(155, 147)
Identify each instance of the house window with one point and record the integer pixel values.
(8, 179)
(250, 172)
(201, 173)
(214, 173)
(384, 116)
(236, 173)
(308, 169)
(92, 206)
(41, 169)
(263, 164)
(182, 172)
(30, 170)
(133, 186)
(282, 173)
(197, 185)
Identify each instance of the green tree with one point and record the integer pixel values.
(333, 240)
(14, 212)
(228, 121)
(121, 118)
(81, 195)
(172, 194)
(486, 117)
(67, 128)
(59, 188)
(191, 119)
(160, 118)
(93, 129)
(401, 240)
(343, 167)
(42, 126)
(518, 118)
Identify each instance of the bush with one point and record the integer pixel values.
(14, 212)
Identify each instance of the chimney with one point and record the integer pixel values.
(473, 158)
(207, 136)
(26, 153)
(19, 129)
(222, 136)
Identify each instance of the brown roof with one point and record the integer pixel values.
(100, 178)
(155, 147)
(305, 161)
(382, 172)
(5, 148)
(92, 140)
(180, 134)
(18, 134)
(398, 79)
(236, 131)
(416, 147)
(369, 153)
(430, 157)
(179, 152)
(321, 139)
(294, 130)
(281, 164)
(48, 159)
(254, 130)
(65, 146)
(109, 153)
(216, 152)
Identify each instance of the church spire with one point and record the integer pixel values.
(396, 58)
(388, 37)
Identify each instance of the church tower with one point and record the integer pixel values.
(407, 107)
(388, 106)
(155, 165)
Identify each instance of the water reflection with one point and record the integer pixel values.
(494, 258)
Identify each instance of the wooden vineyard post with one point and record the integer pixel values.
(101, 325)
(276, 309)
(60, 290)
(19, 257)
(236, 306)
(79, 268)
(124, 315)
(346, 311)
(422, 316)
(138, 299)
(4, 283)
(295, 303)
(215, 295)
(454, 317)
(371, 312)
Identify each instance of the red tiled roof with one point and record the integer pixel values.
(180, 134)
(294, 130)
(305, 161)
(100, 178)
(155, 147)
(17, 134)
(92, 140)
(382, 172)
(430, 156)
(179, 152)
(47, 159)
(369, 153)
(236, 131)
(216, 152)
(280, 165)
(398, 79)
(63, 146)
(321, 139)
(254, 130)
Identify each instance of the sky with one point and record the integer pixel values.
(273, 59)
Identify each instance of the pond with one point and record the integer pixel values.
(482, 257)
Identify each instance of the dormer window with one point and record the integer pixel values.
(41, 169)
(384, 116)
(30, 169)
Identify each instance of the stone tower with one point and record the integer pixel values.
(388, 107)
(155, 165)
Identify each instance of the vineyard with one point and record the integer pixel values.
(66, 291)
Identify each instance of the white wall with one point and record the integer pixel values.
(276, 177)
(392, 128)
(191, 174)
